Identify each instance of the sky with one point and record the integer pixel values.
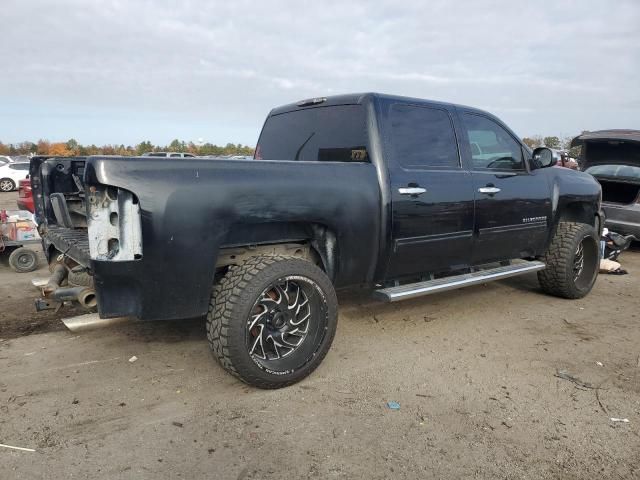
(124, 71)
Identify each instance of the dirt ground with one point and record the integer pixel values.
(474, 371)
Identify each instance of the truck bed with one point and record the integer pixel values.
(190, 209)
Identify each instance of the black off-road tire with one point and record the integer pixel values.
(23, 260)
(559, 278)
(232, 305)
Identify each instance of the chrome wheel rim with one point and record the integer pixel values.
(280, 320)
(585, 264)
(578, 261)
(6, 186)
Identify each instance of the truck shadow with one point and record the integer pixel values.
(165, 331)
(354, 306)
(524, 283)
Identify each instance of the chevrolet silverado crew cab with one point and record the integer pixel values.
(400, 196)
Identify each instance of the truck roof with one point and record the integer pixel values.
(360, 98)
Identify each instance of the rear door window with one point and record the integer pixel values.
(321, 134)
(423, 137)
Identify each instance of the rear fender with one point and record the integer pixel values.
(316, 242)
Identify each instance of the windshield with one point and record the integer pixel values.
(620, 171)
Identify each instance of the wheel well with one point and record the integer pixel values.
(315, 242)
(579, 212)
(237, 255)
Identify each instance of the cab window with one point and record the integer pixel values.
(423, 137)
(491, 146)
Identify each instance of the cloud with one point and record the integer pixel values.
(123, 71)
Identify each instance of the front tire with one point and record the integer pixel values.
(572, 260)
(272, 320)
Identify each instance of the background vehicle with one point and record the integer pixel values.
(11, 174)
(562, 159)
(25, 195)
(21, 158)
(17, 234)
(372, 191)
(613, 158)
(168, 154)
(4, 160)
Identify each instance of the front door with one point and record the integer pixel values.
(513, 207)
(431, 194)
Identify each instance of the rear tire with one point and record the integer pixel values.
(572, 260)
(23, 260)
(272, 320)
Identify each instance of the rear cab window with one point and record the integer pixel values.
(336, 133)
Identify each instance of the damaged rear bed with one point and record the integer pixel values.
(68, 215)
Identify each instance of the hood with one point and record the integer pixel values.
(610, 147)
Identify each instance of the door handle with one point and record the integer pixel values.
(411, 190)
(489, 190)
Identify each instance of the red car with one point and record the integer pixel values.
(25, 195)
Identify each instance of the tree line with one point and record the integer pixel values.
(74, 148)
(552, 142)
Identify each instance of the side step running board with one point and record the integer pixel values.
(411, 290)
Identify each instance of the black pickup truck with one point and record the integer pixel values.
(401, 196)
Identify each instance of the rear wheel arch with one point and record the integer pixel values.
(314, 241)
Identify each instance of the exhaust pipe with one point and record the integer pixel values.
(87, 298)
(83, 295)
(92, 321)
(52, 291)
(58, 275)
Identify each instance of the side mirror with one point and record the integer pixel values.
(543, 158)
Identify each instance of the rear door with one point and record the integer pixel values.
(513, 204)
(432, 195)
